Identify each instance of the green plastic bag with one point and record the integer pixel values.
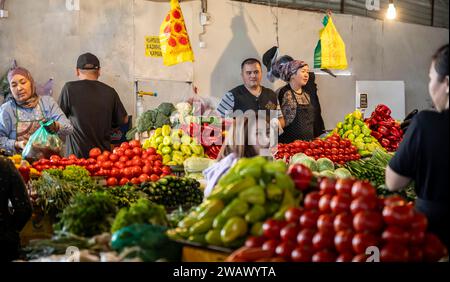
(152, 241)
(42, 144)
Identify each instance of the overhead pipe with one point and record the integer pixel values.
(203, 13)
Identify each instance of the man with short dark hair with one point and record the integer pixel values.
(251, 95)
(93, 107)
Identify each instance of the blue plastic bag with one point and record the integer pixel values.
(42, 144)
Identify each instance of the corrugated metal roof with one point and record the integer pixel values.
(410, 11)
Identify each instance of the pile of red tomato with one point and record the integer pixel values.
(342, 219)
(126, 163)
(334, 148)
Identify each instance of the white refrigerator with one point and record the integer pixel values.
(390, 93)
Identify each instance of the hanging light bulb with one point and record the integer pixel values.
(391, 12)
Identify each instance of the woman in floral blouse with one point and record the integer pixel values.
(299, 101)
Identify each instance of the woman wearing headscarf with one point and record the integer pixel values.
(299, 101)
(20, 117)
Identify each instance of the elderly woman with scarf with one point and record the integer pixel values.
(299, 101)
(20, 117)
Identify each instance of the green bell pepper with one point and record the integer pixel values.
(356, 130)
(251, 171)
(253, 195)
(197, 149)
(257, 229)
(271, 207)
(213, 237)
(273, 167)
(198, 238)
(233, 229)
(201, 226)
(235, 188)
(274, 192)
(219, 221)
(235, 208)
(214, 207)
(366, 131)
(256, 213)
(284, 181)
(359, 122)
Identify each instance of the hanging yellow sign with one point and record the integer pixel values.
(152, 47)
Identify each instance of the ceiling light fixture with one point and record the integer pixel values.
(391, 13)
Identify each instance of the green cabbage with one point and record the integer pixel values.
(342, 173)
(325, 164)
(327, 173)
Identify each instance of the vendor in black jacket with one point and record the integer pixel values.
(12, 219)
(298, 100)
(423, 155)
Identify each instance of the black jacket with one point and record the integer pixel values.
(12, 188)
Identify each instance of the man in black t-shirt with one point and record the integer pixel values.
(93, 107)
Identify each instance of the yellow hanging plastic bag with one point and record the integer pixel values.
(174, 39)
(330, 50)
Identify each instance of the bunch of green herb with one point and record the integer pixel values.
(55, 188)
(88, 214)
(143, 211)
(126, 195)
(80, 177)
(53, 194)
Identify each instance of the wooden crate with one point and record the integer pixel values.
(38, 227)
(198, 254)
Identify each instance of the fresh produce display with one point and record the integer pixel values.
(24, 167)
(373, 169)
(194, 166)
(127, 163)
(339, 221)
(88, 214)
(251, 191)
(354, 129)
(334, 148)
(174, 145)
(210, 135)
(143, 211)
(53, 191)
(125, 195)
(172, 192)
(321, 167)
(152, 119)
(384, 128)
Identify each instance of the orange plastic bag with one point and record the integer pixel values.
(175, 44)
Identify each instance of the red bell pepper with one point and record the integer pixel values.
(385, 143)
(385, 123)
(377, 135)
(395, 132)
(25, 172)
(383, 110)
(393, 138)
(383, 130)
